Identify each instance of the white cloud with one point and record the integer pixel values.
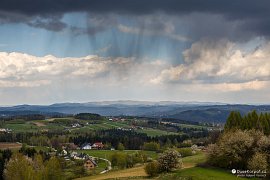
(222, 63)
(23, 70)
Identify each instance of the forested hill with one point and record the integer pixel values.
(200, 112)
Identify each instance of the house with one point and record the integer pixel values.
(75, 125)
(97, 145)
(3, 130)
(86, 146)
(90, 164)
(64, 152)
(73, 154)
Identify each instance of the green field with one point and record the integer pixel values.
(194, 160)
(107, 153)
(191, 126)
(26, 127)
(61, 124)
(32, 126)
(199, 173)
(154, 132)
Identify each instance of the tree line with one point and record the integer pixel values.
(252, 120)
(245, 143)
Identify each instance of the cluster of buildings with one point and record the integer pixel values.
(5, 130)
(89, 162)
(116, 119)
(75, 125)
(96, 145)
(84, 146)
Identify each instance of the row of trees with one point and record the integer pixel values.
(252, 120)
(25, 168)
(88, 116)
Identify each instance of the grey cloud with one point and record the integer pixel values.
(95, 23)
(248, 13)
(52, 24)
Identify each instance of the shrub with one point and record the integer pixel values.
(152, 168)
(185, 152)
(119, 159)
(240, 149)
(120, 147)
(169, 160)
(151, 146)
(258, 162)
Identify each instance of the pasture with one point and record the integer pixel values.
(9, 145)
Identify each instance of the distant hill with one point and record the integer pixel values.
(189, 111)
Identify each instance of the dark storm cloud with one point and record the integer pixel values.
(232, 8)
(252, 13)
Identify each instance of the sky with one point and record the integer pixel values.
(54, 51)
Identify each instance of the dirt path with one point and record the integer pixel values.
(137, 171)
(39, 124)
(7, 145)
(131, 172)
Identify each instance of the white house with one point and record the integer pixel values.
(86, 146)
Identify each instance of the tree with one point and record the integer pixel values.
(53, 169)
(19, 168)
(39, 167)
(151, 146)
(5, 155)
(120, 147)
(249, 149)
(250, 121)
(258, 162)
(169, 160)
(152, 168)
(119, 159)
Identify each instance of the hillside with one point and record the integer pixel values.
(199, 112)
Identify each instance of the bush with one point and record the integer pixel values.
(240, 150)
(185, 152)
(258, 162)
(151, 146)
(119, 160)
(120, 147)
(152, 168)
(169, 160)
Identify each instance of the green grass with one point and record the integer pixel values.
(192, 126)
(199, 173)
(26, 127)
(194, 160)
(154, 132)
(118, 124)
(107, 153)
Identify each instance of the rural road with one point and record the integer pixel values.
(109, 167)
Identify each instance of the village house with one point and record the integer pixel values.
(86, 146)
(4, 130)
(73, 154)
(90, 164)
(63, 153)
(97, 145)
(75, 125)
